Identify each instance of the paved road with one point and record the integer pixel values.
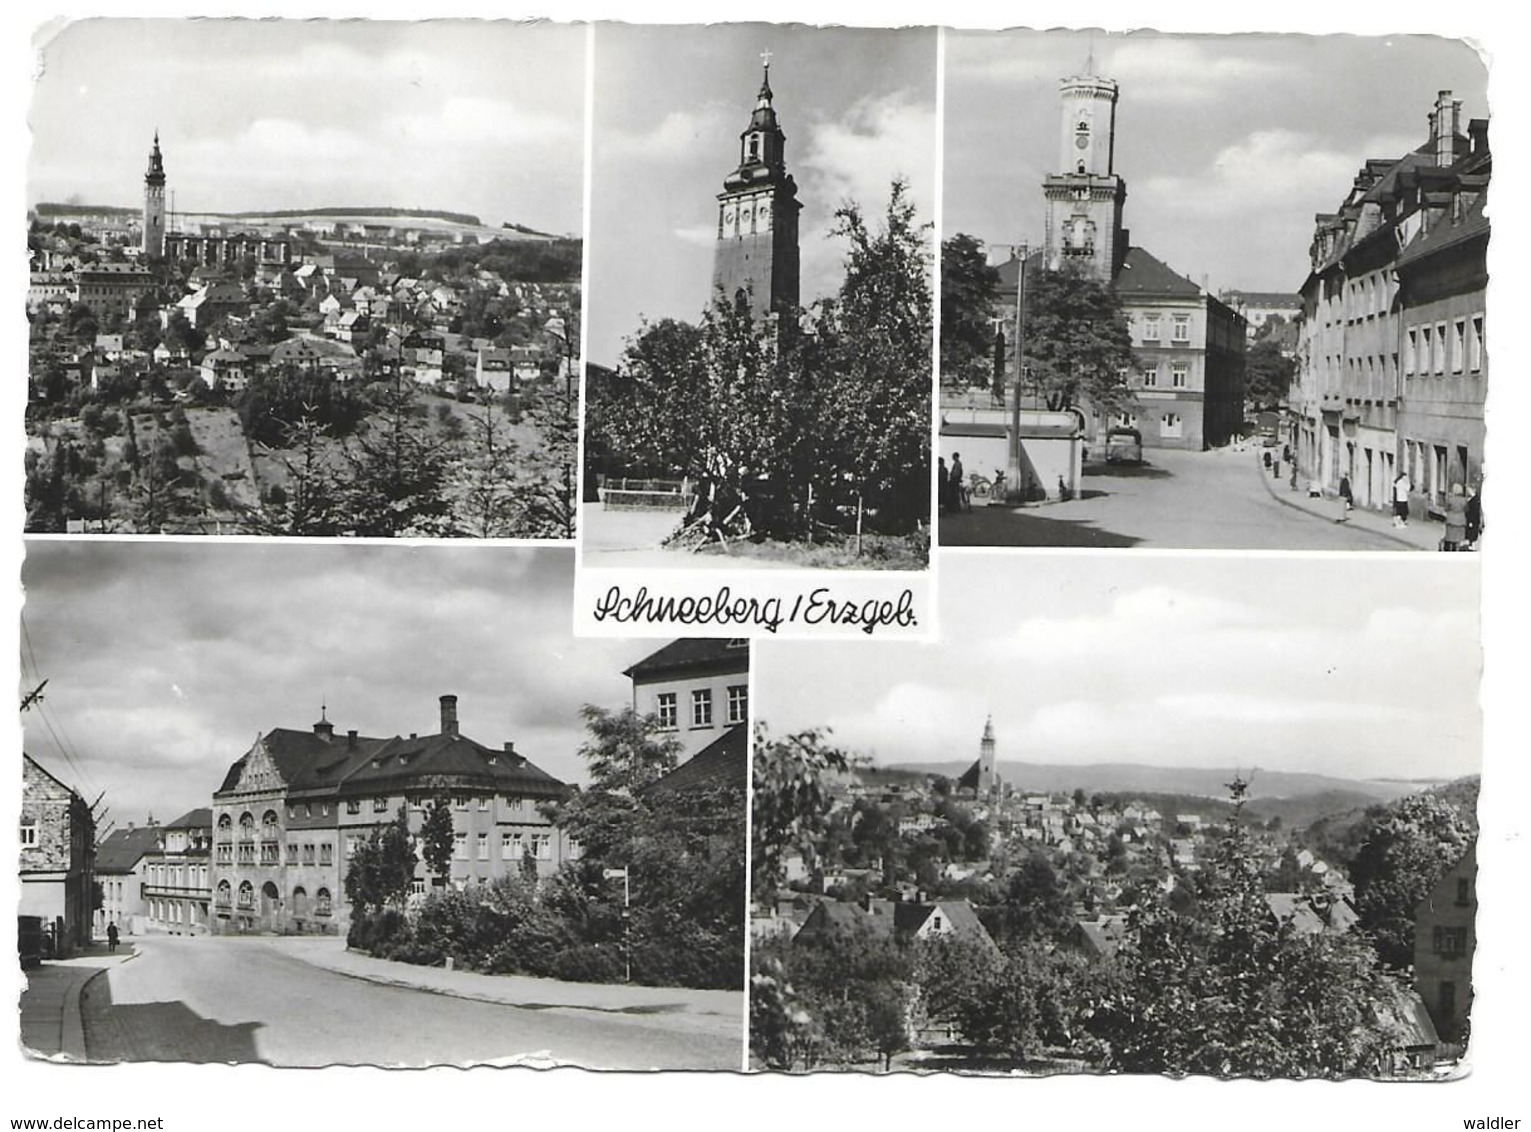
(210, 999)
(1184, 500)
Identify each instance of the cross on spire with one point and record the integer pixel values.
(765, 58)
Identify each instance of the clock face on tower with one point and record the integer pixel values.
(1081, 141)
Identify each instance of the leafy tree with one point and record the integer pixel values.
(654, 410)
(790, 801)
(1267, 373)
(878, 339)
(382, 868)
(1229, 990)
(436, 836)
(1404, 850)
(1035, 906)
(1078, 345)
(969, 292)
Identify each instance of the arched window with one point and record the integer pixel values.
(268, 823)
(322, 902)
(247, 824)
(224, 892)
(225, 822)
(246, 894)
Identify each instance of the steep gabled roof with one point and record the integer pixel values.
(701, 653)
(1142, 274)
(122, 849)
(200, 818)
(454, 762)
(723, 762)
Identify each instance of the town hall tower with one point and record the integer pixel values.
(154, 204)
(757, 248)
(1085, 197)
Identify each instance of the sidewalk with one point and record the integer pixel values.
(50, 1005)
(1421, 533)
(700, 1011)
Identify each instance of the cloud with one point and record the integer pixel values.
(676, 136)
(698, 235)
(1185, 71)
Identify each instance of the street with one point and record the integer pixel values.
(220, 999)
(1184, 500)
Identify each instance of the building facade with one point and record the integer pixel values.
(757, 244)
(1445, 937)
(293, 810)
(120, 871)
(58, 857)
(1392, 362)
(177, 885)
(697, 689)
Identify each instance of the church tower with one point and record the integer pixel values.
(987, 782)
(757, 216)
(154, 204)
(1085, 197)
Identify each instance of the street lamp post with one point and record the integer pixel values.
(627, 906)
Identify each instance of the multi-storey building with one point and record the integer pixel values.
(291, 812)
(757, 245)
(58, 857)
(120, 873)
(1445, 936)
(1392, 366)
(177, 876)
(697, 688)
(112, 289)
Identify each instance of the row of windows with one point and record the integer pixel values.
(325, 853)
(176, 876)
(1171, 425)
(1180, 328)
(323, 902)
(1179, 375)
(514, 847)
(667, 707)
(1456, 347)
(1449, 943)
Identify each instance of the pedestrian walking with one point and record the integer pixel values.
(111, 936)
(959, 488)
(1455, 537)
(1347, 500)
(1286, 453)
(1266, 458)
(943, 485)
(1401, 490)
(1474, 518)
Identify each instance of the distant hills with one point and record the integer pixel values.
(1318, 792)
(343, 214)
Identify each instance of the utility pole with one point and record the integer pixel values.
(1015, 477)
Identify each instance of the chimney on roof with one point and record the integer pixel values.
(449, 716)
(351, 738)
(1443, 128)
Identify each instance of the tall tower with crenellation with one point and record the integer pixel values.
(154, 204)
(757, 250)
(1085, 197)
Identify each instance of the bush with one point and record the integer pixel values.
(589, 963)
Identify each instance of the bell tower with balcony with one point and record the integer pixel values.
(1085, 197)
(757, 248)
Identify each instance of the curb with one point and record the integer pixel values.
(1279, 498)
(72, 1024)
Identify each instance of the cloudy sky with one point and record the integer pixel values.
(1317, 664)
(478, 117)
(1228, 144)
(165, 660)
(669, 103)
